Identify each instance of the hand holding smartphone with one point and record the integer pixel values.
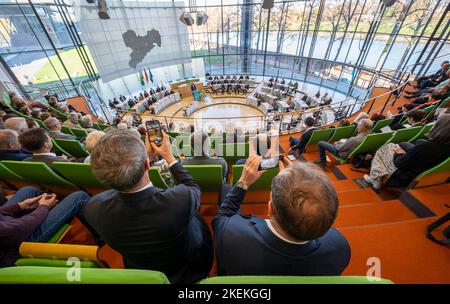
(269, 163)
(154, 132)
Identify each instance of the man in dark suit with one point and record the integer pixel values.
(54, 127)
(38, 142)
(10, 146)
(193, 87)
(300, 144)
(151, 228)
(297, 239)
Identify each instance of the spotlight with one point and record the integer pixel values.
(102, 9)
(90, 1)
(388, 3)
(187, 19)
(268, 4)
(201, 18)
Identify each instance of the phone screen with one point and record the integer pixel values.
(268, 163)
(154, 131)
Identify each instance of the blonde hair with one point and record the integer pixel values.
(92, 139)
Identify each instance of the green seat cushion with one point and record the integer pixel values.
(263, 183)
(52, 263)
(208, 177)
(58, 275)
(292, 280)
(79, 173)
(55, 238)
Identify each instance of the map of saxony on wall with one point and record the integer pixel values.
(138, 35)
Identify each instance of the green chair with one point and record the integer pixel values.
(8, 175)
(439, 174)
(403, 135)
(369, 144)
(425, 129)
(79, 174)
(57, 236)
(103, 126)
(186, 150)
(66, 130)
(79, 132)
(59, 275)
(156, 178)
(233, 152)
(37, 173)
(381, 124)
(175, 150)
(52, 263)
(173, 134)
(74, 147)
(263, 183)
(57, 147)
(62, 116)
(319, 135)
(342, 132)
(208, 177)
(293, 280)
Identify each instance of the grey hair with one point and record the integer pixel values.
(51, 122)
(118, 159)
(366, 123)
(87, 120)
(18, 124)
(304, 201)
(92, 139)
(200, 143)
(8, 138)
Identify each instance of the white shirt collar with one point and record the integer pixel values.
(142, 189)
(48, 154)
(269, 224)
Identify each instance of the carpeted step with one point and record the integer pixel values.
(405, 254)
(434, 197)
(357, 197)
(372, 213)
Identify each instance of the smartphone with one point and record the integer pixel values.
(154, 132)
(269, 163)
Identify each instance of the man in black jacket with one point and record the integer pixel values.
(151, 228)
(300, 144)
(297, 239)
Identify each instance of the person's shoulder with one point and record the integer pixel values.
(334, 239)
(99, 199)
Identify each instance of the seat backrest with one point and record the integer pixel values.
(103, 126)
(404, 134)
(66, 130)
(381, 124)
(74, 147)
(342, 132)
(156, 178)
(425, 129)
(60, 149)
(79, 174)
(320, 135)
(62, 116)
(58, 275)
(79, 132)
(263, 183)
(439, 174)
(208, 177)
(371, 143)
(8, 175)
(41, 123)
(293, 280)
(37, 173)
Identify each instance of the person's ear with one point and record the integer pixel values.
(147, 164)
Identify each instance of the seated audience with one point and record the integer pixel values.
(405, 161)
(296, 240)
(102, 120)
(39, 143)
(151, 228)
(360, 116)
(413, 118)
(88, 123)
(30, 216)
(376, 117)
(91, 140)
(10, 148)
(343, 123)
(54, 129)
(18, 124)
(72, 121)
(298, 145)
(344, 147)
(434, 79)
(396, 123)
(200, 144)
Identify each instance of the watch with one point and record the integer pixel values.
(241, 185)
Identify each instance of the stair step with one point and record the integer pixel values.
(375, 213)
(405, 254)
(349, 173)
(345, 185)
(357, 197)
(434, 197)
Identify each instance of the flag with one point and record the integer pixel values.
(151, 75)
(141, 76)
(146, 76)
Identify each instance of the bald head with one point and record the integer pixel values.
(18, 124)
(9, 140)
(52, 124)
